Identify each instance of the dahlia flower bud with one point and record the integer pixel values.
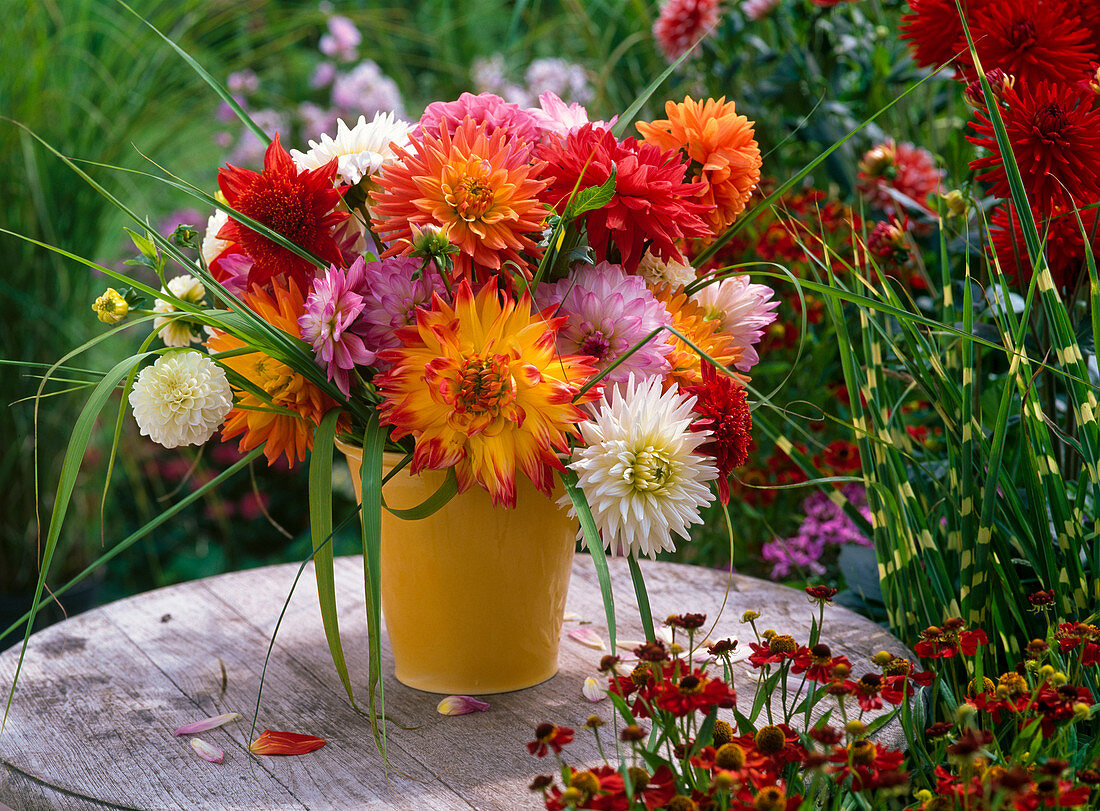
(111, 307)
(999, 82)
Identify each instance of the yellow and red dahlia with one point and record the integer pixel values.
(722, 143)
(483, 190)
(689, 318)
(480, 387)
(286, 425)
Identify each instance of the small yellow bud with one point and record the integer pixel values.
(111, 307)
(1081, 711)
(675, 648)
(855, 728)
(1046, 672)
(964, 712)
(750, 616)
(882, 658)
(924, 795)
(1058, 678)
(955, 203)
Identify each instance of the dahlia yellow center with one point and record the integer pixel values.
(648, 469)
(471, 198)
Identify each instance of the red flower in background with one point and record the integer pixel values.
(934, 31)
(1064, 244)
(724, 411)
(1055, 135)
(1034, 40)
(298, 205)
(682, 23)
(652, 203)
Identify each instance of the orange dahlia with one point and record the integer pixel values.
(721, 143)
(689, 318)
(482, 390)
(482, 190)
(286, 424)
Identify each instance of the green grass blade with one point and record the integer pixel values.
(595, 547)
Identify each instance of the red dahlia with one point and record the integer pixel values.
(724, 411)
(934, 32)
(1064, 244)
(652, 203)
(1034, 40)
(298, 205)
(1055, 135)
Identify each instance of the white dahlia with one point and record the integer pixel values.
(639, 470)
(361, 150)
(656, 271)
(181, 399)
(212, 247)
(178, 331)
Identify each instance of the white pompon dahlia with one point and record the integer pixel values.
(181, 399)
(639, 470)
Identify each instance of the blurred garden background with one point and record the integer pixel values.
(88, 77)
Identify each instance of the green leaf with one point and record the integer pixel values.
(446, 491)
(320, 528)
(374, 442)
(595, 547)
(592, 198)
(643, 598)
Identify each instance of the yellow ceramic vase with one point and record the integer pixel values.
(473, 596)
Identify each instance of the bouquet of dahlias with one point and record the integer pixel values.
(493, 290)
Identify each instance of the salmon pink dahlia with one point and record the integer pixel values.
(482, 390)
(682, 23)
(721, 143)
(1055, 135)
(652, 204)
(481, 189)
(297, 205)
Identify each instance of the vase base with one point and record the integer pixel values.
(432, 683)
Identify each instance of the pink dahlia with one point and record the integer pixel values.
(891, 169)
(394, 289)
(608, 313)
(757, 9)
(743, 310)
(652, 206)
(332, 326)
(489, 111)
(558, 118)
(682, 23)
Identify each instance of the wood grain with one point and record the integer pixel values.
(99, 695)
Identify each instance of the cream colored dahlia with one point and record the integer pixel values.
(178, 331)
(181, 399)
(212, 247)
(656, 271)
(639, 471)
(360, 151)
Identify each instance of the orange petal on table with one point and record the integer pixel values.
(271, 742)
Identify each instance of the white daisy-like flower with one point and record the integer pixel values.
(744, 311)
(181, 399)
(178, 331)
(639, 471)
(212, 247)
(656, 271)
(361, 150)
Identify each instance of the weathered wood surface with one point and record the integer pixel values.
(99, 695)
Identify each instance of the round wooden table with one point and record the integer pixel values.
(100, 694)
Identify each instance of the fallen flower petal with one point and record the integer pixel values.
(592, 690)
(569, 616)
(207, 751)
(587, 636)
(207, 723)
(271, 742)
(460, 705)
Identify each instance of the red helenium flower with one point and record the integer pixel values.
(652, 204)
(298, 205)
(1055, 136)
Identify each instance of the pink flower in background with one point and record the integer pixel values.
(331, 323)
(488, 110)
(366, 90)
(890, 169)
(609, 312)
(745, 310)
(342, 40)
(682, 23)
(757, 9)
